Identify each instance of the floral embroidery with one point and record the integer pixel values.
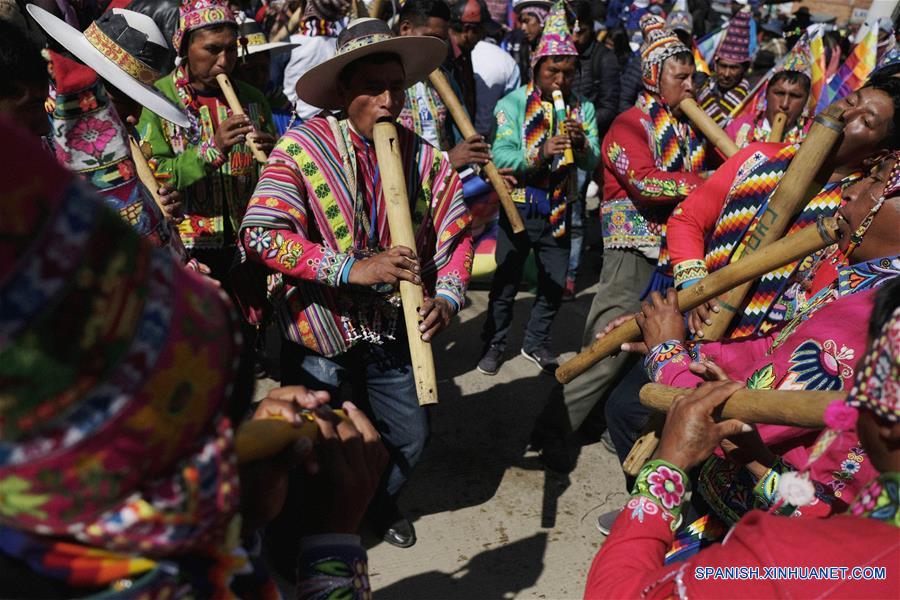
(663, 484)
(668, 352)
(820, 367)
(639, 506)
(667, 485)
(618, 158)
(91, 136)
(260, 239)
(762, 379)
(849, 467)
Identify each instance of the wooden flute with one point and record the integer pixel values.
(412, 296)
(708, 127)
(236, 108)
(785, 251)
(778, 123)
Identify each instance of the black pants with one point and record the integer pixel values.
(552, 258)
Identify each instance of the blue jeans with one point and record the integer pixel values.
(379, 380)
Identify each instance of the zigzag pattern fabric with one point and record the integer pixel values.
(746, 201)
(536, 130)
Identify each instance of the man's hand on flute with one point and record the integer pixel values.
(170, 199)
(660, 319)
(691, 434)
(436, 314)
(555, 145)
(701, 317)
(390, 267)
(509, 178)
(472, 150)
(232, 131)
(576, 134)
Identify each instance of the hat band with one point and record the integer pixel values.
(256, 39)
(363, 41)
(114, 52)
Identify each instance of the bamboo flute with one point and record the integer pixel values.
(796, 408)
(778, 123)
(291, 26)
(445, 91)
(786, 251)
(145, 173)
(399, 219)
(236, 108)
(715, 134)
(804, 178)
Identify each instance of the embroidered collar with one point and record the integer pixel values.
(879, 500)
(866, 275)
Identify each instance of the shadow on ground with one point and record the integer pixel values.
(494, 574)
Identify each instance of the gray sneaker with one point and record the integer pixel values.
(490, 361)
(543, 358)
(606, 520)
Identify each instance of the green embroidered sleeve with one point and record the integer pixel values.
(664, 484)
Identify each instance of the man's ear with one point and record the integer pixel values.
(405, 27)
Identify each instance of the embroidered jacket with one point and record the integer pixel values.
(718, 104)
(213, 186)
(631, 562)
(651, 161)
(524, 122)
(814, 351)
(312, 214)
(755, 127)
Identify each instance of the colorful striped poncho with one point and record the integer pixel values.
(745, 200)
(312, 215)
(718, 104)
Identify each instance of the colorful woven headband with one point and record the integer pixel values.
(877, 384)
(197, 14)
(659, 44)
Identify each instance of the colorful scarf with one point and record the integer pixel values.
(719, 105)
(676, 147)
(537, 127)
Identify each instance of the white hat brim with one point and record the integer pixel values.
(74, 41)
(273, 47)
(420, 56)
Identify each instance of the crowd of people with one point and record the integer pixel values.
(194, 200)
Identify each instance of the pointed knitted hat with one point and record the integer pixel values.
(659, 44)
(196, 14)
(556, 40)
(799, 58)
(735, 46)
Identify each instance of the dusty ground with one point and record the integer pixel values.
(491, 523)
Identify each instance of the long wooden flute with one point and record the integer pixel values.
(236, 108)
(793, 247)
(796, 408)
(393, 182)
(778, 123)
(462, 120)
(804, 178)
(708, 127)
(145, 173)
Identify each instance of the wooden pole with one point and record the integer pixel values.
(796, 408)
(145, 173)
(702, 121)
(786, 251)
(445, 91)
(777, 133)
(376, 8)
(291, 26)
(258, 439)
(805, 177)
(393, 183)
(236, 108)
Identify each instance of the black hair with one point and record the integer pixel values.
(887, 299)
(20, 62)
(189, 38)
(379, 58)
(891, 87)
(584, 12)
(418, 12)
(683, 57)
(791, 77)
(618, 37)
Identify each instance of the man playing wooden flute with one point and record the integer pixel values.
(652, 158)
(633, 561)
(317, 222)
(532, 140)
(210, 162)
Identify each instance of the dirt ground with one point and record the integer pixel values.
(491, 522)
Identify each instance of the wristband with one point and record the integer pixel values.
(665, 484)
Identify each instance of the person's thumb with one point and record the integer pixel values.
(732, 427)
